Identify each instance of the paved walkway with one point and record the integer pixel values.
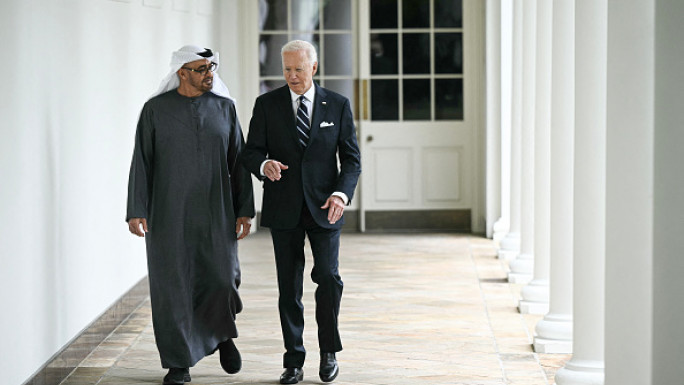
(417, 309)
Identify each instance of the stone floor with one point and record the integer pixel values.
(416, 309)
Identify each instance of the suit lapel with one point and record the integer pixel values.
(319, 110)
(285, 106)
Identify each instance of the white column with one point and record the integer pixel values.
(510, 244)
(587, 363)
(629, 194)
(522, 267)
(668, 228)
(503, 225)
(535, 295)
(493, 63)
(554, 331)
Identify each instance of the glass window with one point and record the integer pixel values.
(273, 15)
(338, 55)
(337, 14)
(416, 99)
(449, 53)
(383, 14)
(343, 87)
(271, 63)
(304, 15)
(383, 48)
(448, 99)
(416, 53)
(384, 99)
(416, 60)
(415, 14)
(448, 14)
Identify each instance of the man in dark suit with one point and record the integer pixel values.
(296, 135)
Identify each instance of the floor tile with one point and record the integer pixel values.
(416, 309)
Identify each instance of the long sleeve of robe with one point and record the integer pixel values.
(185, 179)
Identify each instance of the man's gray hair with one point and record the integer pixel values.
(298, 45)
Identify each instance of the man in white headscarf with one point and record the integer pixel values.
(185, 55)
(192, 200)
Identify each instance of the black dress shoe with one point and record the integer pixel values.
(177, 376)
(292, 376)
(328, 370)
(231, 361)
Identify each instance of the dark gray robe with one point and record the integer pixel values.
(186, 180)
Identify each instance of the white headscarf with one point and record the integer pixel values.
(187, 54)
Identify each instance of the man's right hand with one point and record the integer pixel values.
(134, 226)
(272, 170)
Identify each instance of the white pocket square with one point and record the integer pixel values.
(327, 124)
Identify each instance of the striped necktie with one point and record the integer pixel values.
(303, 127)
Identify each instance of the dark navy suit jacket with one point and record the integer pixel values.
(313, 173)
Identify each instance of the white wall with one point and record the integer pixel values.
(75, 75)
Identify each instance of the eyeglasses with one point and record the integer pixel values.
(202, 70)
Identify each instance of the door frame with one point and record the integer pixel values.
(474, 85)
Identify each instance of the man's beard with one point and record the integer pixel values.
(206, 84)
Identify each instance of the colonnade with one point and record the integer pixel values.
(590, 179)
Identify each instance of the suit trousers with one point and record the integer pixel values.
(289, 255)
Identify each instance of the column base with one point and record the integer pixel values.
(581, 372)
(543, 345)
(528, 307)
(509, 247)
(508, 255)
(519, 278)
(522, 269)
(535, 297)
(500, 228)
(554, 334)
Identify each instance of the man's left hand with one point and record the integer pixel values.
(335, 206)
(243, 224)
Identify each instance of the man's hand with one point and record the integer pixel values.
(272, 170)
(335, 206)
(243, 224)
(134, 226)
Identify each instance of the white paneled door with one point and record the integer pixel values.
(421, 105)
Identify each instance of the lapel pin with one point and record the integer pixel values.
(324, 103)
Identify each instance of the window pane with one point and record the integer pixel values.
(416, 14)
(416, 53)
(304, 15)
(449, 53)
(448, 99)
(384, 54)
(416, 99)
(313, 38)
(337, 14)
(269, 85)
(338, 54)
(448, 14)
(344, 87)
(383, 13)
(273, 15)
(271, 63)
(384, 99)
